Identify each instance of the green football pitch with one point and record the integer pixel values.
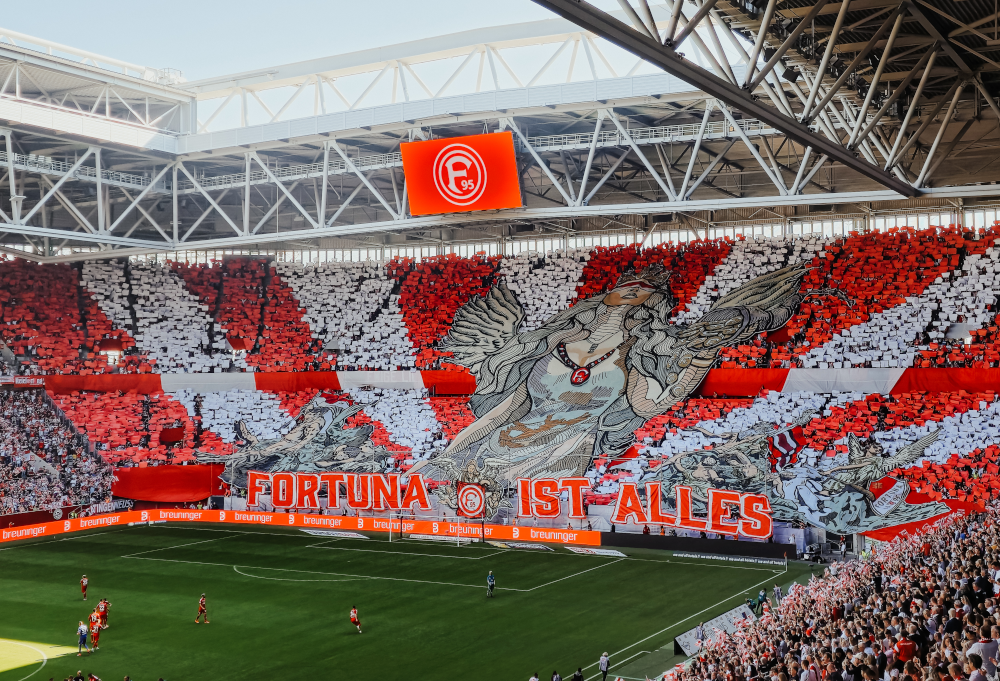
(279, 601)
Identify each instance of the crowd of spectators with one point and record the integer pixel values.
(922, 608)
(44, 464)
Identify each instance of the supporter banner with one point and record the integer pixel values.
(307, 521)
(461, 174)
(732, 559)
(142, 384)
(169, 483)
(22, 381)
(689, 642)
(40, 517)
(714, 547)
(36, 517)
(728, 513)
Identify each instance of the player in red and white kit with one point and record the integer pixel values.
(102, 612)
(83, 586)
(94, 619)
(202, 610)
(354, 618)
(95, 635)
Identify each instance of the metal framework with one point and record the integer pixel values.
(722, 105)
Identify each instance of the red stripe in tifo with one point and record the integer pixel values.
(742, 382)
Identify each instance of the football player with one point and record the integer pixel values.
(202, 610)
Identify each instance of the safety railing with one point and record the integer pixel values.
(296, 172)
(657, 134)
(50, 166)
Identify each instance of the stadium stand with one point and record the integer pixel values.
(545, 283)
(44, 464)
(922, 608)
(127, 428)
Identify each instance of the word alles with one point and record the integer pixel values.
(729, 513)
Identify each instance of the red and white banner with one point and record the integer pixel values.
(730, 382)
(22, 381)
(729, 513)
(461, 174)
(442, 382)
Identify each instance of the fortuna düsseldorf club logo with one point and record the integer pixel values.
(460, 174)
(471, 499)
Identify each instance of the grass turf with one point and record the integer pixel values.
(279, 602)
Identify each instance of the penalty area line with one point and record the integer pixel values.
(403, 553)
(282, 579)
(575, 574)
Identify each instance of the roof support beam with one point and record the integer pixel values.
(600, 23)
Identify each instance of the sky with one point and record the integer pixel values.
(206, 38)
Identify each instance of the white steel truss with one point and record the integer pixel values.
(784, 106)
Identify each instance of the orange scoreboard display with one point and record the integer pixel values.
(461, 174)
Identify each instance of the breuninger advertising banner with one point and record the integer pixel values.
(441, 528)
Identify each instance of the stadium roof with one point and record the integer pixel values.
(632, 113)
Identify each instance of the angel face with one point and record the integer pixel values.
(632, 293)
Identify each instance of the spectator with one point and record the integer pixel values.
(882, 618)
(44, 464)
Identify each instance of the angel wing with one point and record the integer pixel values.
(243, 433)
(766, 290)
(855, 451)
(762, 304)
(868, 467)
(908, 455)
(482, 326)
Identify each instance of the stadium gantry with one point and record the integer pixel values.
(732, 111)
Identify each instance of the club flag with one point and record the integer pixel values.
(784, 448)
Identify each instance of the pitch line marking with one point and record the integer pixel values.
(45, 658)
(167, 526)
(279, 579)
(575, 574)
(165, 548)
(313, 572)
(403, 553)
(668, 628)
(349, 574)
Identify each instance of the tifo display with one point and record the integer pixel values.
(604, 378)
